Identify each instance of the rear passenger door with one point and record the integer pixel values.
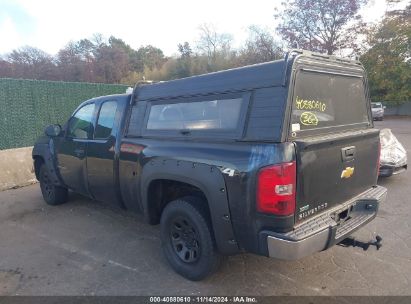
(101, 152)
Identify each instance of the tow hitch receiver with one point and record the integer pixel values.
(351, 241)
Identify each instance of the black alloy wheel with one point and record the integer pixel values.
(187, 238)
(184, 239)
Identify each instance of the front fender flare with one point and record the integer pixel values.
(47, 153)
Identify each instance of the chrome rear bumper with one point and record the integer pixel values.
(326, 229)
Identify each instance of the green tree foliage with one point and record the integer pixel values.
(185, 61)
(150, 57)
(133, 58)
(388, 59)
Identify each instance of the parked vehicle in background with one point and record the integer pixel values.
(393, 159)
(278, 159)
(377, 110)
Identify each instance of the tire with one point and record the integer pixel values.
(187, 239)
(53, 195)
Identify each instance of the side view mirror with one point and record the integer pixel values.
(384, 107)
(53, 130)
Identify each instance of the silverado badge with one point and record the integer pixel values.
(347, 172)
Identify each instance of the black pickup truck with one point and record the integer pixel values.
(278, 159)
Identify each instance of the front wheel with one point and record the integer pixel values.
(52, 194)
(187, 239)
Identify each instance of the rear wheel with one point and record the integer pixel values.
(52, 194)
(187, 239)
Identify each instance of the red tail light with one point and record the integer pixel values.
(276, 189)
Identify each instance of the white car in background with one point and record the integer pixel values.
(377, 110)
(393, 157)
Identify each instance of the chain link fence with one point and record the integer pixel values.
(28, 106)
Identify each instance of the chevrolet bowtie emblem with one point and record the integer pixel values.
(347, 172)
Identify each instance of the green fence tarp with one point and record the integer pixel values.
(28, 106)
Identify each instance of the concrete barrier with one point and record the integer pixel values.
(16, 168)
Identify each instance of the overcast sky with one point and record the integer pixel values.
(50, 24)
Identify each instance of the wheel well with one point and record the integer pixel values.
(162, 191)
(38, 161)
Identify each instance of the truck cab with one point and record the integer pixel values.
(278, 159)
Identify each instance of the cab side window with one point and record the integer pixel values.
(106, 120)
(80, 125)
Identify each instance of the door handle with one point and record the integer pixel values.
(348, 153)
(79, 152)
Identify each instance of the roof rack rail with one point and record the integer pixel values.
(137, 87)
(320, 55)
(143, 82)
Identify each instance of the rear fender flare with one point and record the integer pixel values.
(209, 180)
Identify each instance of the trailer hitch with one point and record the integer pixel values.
(351, 241)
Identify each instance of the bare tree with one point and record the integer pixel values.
(30, 62)
(319, 25)
(112, 64)
(76, 61)
(213, 44)
(259, 47)
(5, 68)
(98, 39)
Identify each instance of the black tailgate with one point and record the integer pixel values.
(333, 169)
(337, 148)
